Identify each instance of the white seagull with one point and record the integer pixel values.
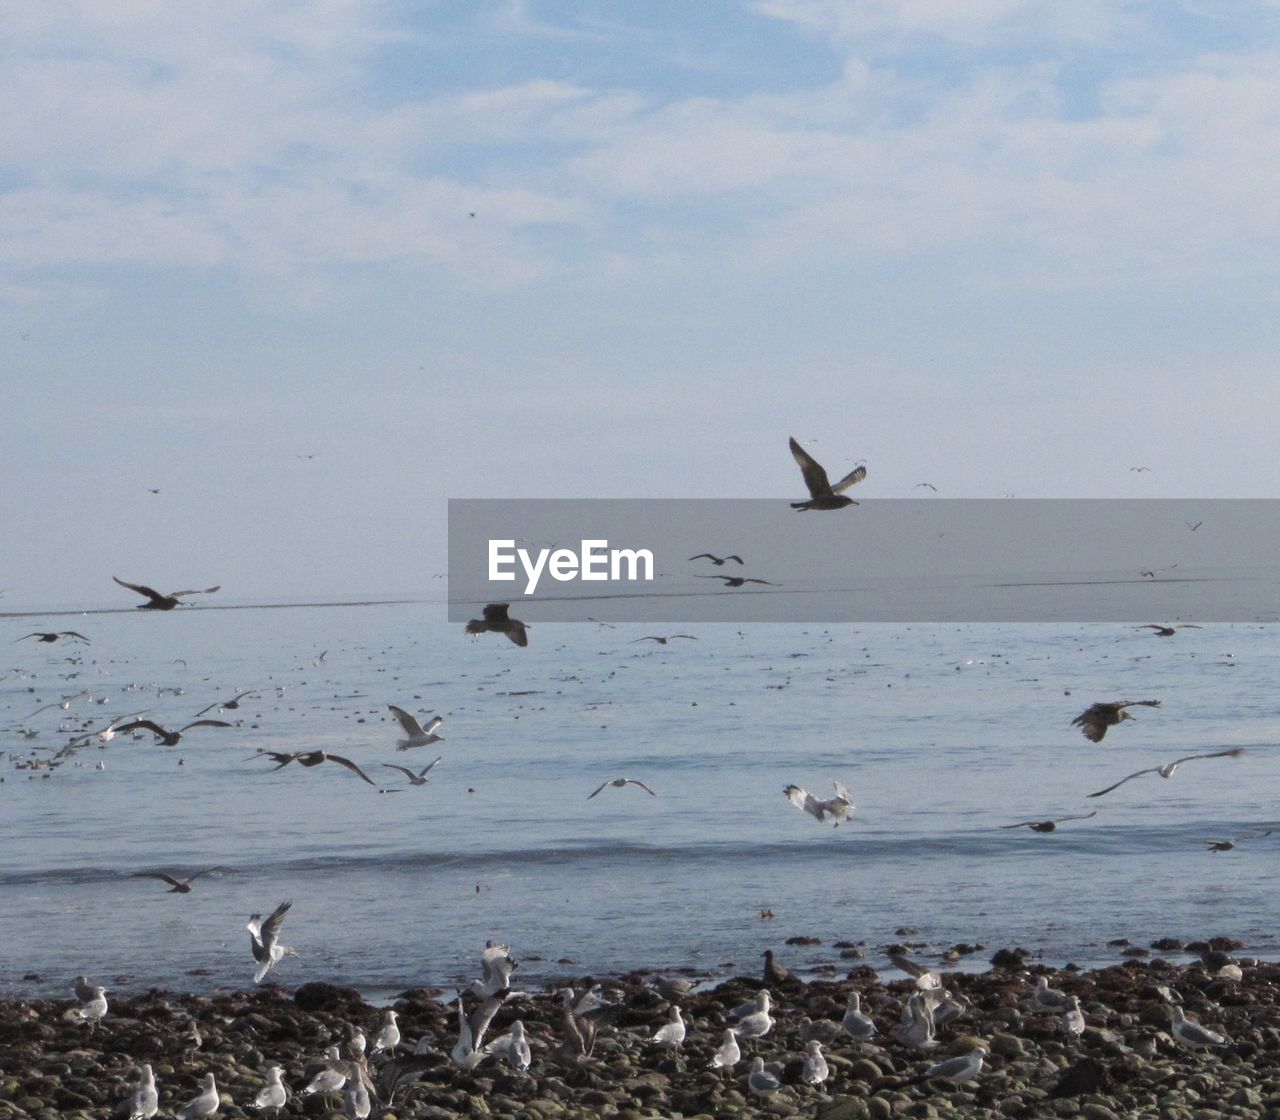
(498, 966)
(263, 939)
(273, 1096)
(619, 783)
(671, 1033)
(728, 1054)
(1191, 1034)
(759, 1022)
(1170, 768)
(417, 734)
(94, 1010)
(332, 1078)
(857, 1024)
(416, 777)
(760, 1081)
(956, 1070)
(206, 1104)
(513, 1046)
(145, 1102)
(815, 1069)
(1073, 1019)
(1045, 998)
(389, 1036)
(838, 808)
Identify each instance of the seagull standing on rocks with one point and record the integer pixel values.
(273, 1096)
(671, 1034)
(760, 1081)
(857, 1023)
(93, 1011)
(1045, 998)
(388, 1037)
(206, 1104)
(815, 1069)
(958, 1070)
(513, 1046)
(145, 1101)
(1191, 1034)
(1073, 1018)
(332, 1078)
(759, 1022)
(264, 940)
(728, 1054)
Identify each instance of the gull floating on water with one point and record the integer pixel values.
(619, 783)
(177, 886)
(838, 808)
(718, 561)
(497, 621)
(206, 1104)
(1094, 721)
(156, 601)
(264, 940)
(417, 734)
(1170, 768)
(822, 495)
(1049, 826)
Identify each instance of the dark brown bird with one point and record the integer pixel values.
(1227, 845)
(232, 704)
(1167, 631)
(156, 601)
(775, 973)
(822, 495)
(497, 621)
(737, 581)
(1049, 826)
(177, 886)
(662, 641)
(718, 561)
(46, 636)
(168, 738)
(1094, 721)
(313, 758)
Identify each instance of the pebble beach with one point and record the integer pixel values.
(1125, 1063)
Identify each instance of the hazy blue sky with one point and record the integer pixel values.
(1001, 245)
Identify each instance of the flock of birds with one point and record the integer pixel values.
(370, 1073)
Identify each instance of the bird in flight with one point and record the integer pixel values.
(497, 621)
(419, 735)
(1049, 826)
(1194, 527)
(312, 758)
(822, 495)
(1094, 721)
(1167, 631)
(619, 783)
(47, 636)
(156, 601)
(928, 484)
(232, 704)
(738, 581)
(168, 738)
(718, 561)
(416, 778)
(177, 886)
(1139, 470)
(264, 940)
(1170, 768)
(838, 808)
(1227, 845)
(662, 641)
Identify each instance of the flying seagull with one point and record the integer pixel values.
(416, 778)
(619, 783)
(822, 495)
(419, 735)
(718, 561)
(1227, 845)
(928, 484)
(1170, 768)
(838, 808)
(662, 641)
(737, 581)
(1167, 631)
(168, 738)
(1049, 826)
(177, 886)
(46, 636)
(1094, 721)
(232, 704)
(1194, 527)
(1139, 470)
(156, 601)
(264, 940)
(313, 758)
(496, 621)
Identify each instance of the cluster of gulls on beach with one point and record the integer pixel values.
(351, 1068)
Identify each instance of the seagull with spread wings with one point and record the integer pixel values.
(264, 940)
(168, 738)
(176, 885)
(662, 641)
(1094, 721)
(738, 581)
(418, 777)
(497, 621)
(718, 561)
(1049, 826)
(51, 636)
(1167, 631)
(619, 783)
(822, 495)
(232, 704)
(838, 808)
(417, 734)
(1170, 768)
(312, 758)
(1227, 845)
(158, 602)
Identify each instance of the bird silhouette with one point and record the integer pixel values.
(156, 601)
(822, 495)
(497, 621)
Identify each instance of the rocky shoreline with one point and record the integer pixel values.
(54, 1064)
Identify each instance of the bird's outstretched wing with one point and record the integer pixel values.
(854, 476)
(207, 723)
(352, 767)
(1127, 778)
(496, 612)
(270, 929)
(197, 591)
(815, 478)
(143, 724)
(635, 782)
(150, 592)
(403, 770)
(160, 875)
(410, 724)
(597, 790)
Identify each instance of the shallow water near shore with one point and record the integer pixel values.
(942, 733)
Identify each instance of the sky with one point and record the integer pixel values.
(310, 269)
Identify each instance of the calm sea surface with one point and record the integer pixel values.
(943, 733)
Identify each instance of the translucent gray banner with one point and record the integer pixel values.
(892, 560)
